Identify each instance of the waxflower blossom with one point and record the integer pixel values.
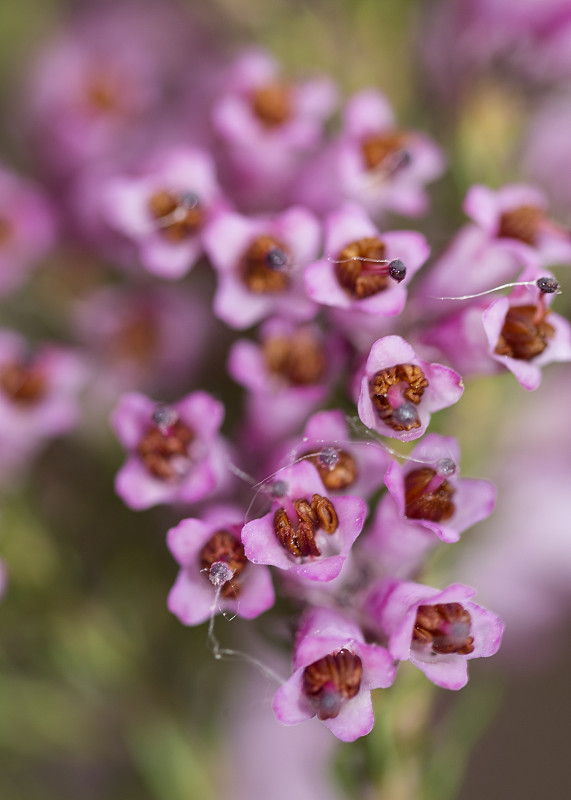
(39, 396)
(266, 124)
(437, 631)
(334, 673)
(175, 452)
(164, 209)
(259, 262)
(305, 532)
(345, 278)
(523, 334)
(288, 375)
(372, 162)
(399, 390)
(215, 574)
(345, 465)
(27, 229)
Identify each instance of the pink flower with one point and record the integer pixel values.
(288, 375)
(305, 532)
(175, 452)
(27, 229)
(266, 124)
(346, 279)
(399, 391)
(523, 335)
(38, 396)
(215, 574)
(164, 210)
(259, 262)
(437, 631)
(345, 465)
(334, 673)
(372, 162)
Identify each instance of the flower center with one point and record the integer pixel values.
(331, 680)
(337, 468)
(224, 548)
(5, 231)
(428, 496)
(178, 215)
(264, 265)
(23, 383)
(395, 392)
(164, 447)
(272, 104)
(358, 275)
(445, 627)
(521, 223)
(320, 513)
(101, 95)
(137, 337)
(300, 359)
(386, 151)
(525, 333)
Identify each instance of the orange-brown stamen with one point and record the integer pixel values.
(224, 547)
(413, 383)
(331, 680)
(272, 104)
(24, 384)
(338, 475)
(300, 359)
(385, 150)
(164, 450)
(300, 543)
(445, 627)
(178, 215)
(422, 501)
(525, 333)
(521, 223)
(263, 265)
(358, 276)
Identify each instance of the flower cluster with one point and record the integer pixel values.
(244, 198)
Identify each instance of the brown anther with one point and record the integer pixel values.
(414, 384)
(525, 333)
(177, 220)
(5, 231)
(445, 627)
(331, 680)
(101, 95)
(164, 453)
(326, 515)
(256, 266)
(379, 148)
(342, 475)
(24, 384)
(435, 505)
(320, 513)
(300, 359)
(136, 338)
(224, 546)
(521, 223)
(351, 268)
(272, 104)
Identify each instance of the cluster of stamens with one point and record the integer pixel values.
(445, 627)
(299, 358)
(362, 270)
(272, 104)
(395, 393)
(522, 223)
(525, 333)
(223, 561)
(428, 496)
(320, 514)
(264, 265)
(164, 447)
(23, 382)
(386, 152)
(331, 680)
(178, 215)
(337, 468)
